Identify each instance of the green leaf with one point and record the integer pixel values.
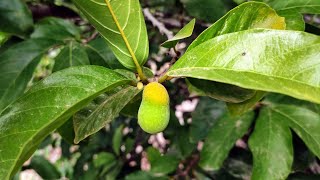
(310, 6)
(103, 159)
(279, 99)
(289, 58)
(185, 32)
(122, 25)
(219, 91)
(116, 139)
(67, 131)
(243, 107)
(294, 19)
(44, 168)
(206, 114)
(221, 138)
(56, 28)
(245, 16)
(207, 10)
(271, 145)
(161, 164)
(102, 55)
(304, 122)
(101, 112)
(17, 65)
(45, 107)
(3, 38)
(143, 175)
(73, 54)
(15, 17)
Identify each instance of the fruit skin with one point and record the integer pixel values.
(154, 111)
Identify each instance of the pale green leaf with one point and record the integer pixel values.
(17, 65)
(127, 14)
(280, 61)
(45, 107)
(221, 139)
(185, 32)
(102, 111)
(271, 146)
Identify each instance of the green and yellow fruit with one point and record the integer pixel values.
(154, 111)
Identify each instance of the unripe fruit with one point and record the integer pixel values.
(154, 111)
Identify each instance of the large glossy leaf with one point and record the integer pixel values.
(56, 28)
(271, 145)
(73, 54)
(286, 62)
(102, 111)
(245, 16)
(208, 10)
(45, 107)
(303, 6)
(185, 32)
(121, 23)
(221, 139)
(15, 17)
(304, 122)
(17, 65)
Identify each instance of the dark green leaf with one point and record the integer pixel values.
(206, 114)
(45, 107)
(73, 54)
(67, 131)
(15, 17)
(185, 32)
(243, 107)
(117, 139)
(294, 19)
(132, 28)
(301, 176)
(3, 38)
(219, 91)
(56, 28)
(103, 159)
(208, 10)
(100, 54)
(44, 168)
(17, 65)
(161, 164)
(304, 122)
(286, 62)
(271, 146)
(246, 16)
(310, 6)
(221, 138)
(142, 175)
(103, 111)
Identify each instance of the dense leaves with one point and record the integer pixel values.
(30, 119)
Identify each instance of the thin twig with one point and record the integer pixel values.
(156, 23)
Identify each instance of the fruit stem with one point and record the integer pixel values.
(164, 78)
